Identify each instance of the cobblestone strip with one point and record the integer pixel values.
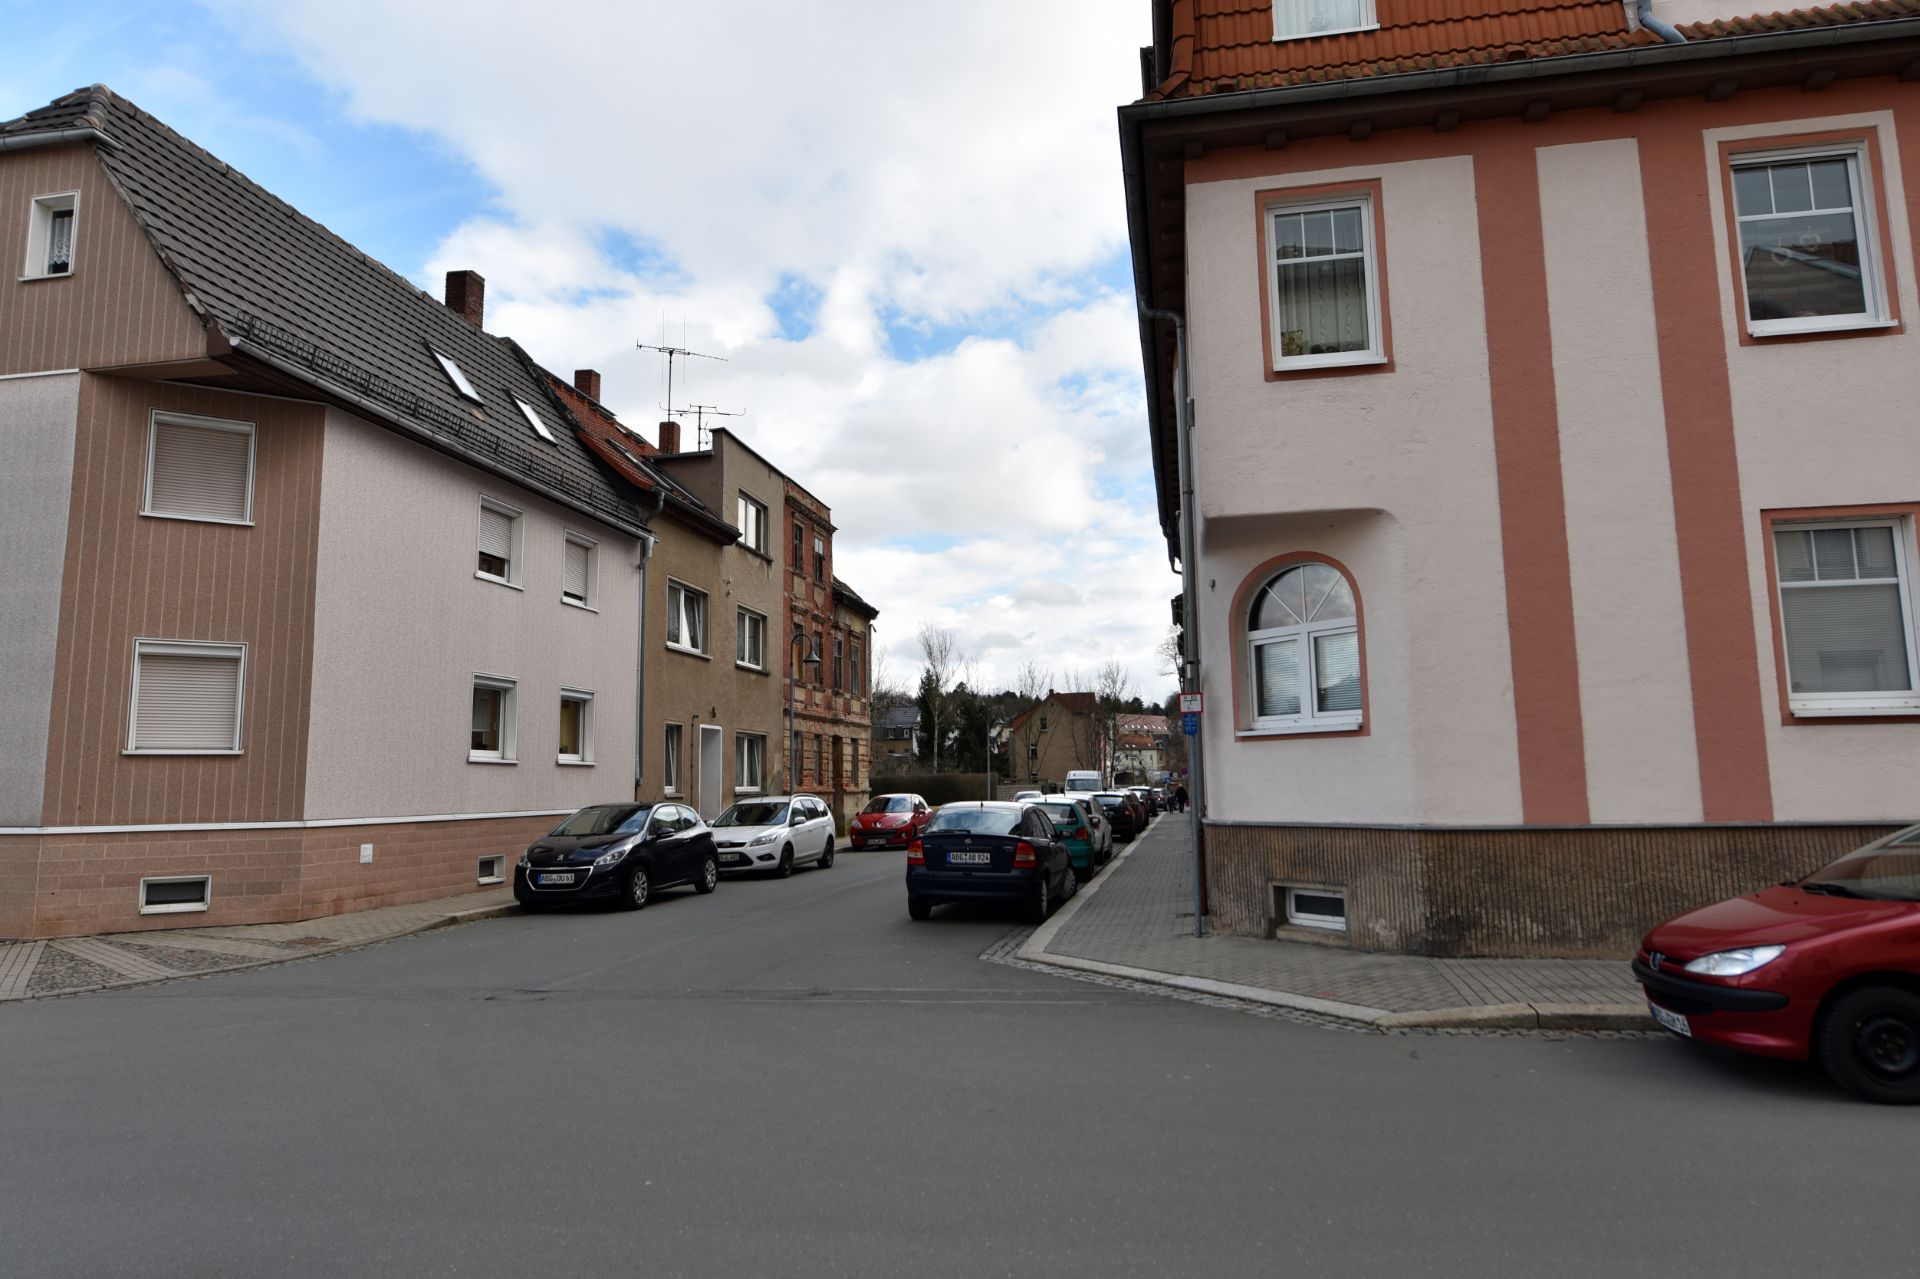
(215, 945)
(107, 955)
(17, 962)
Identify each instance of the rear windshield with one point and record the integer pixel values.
(980, 821)
(756, 813)
(890, 804)
(606, 819)
(1061, 813)
(1110, 801)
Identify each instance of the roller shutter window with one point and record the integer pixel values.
(187, 698)
(496, 542)
(200, 469)
(576, 582)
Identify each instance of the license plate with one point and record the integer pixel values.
(732, 859)
(557, 879)
(1671, 1020)
(965, 858)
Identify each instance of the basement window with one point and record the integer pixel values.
(174, 894)
(455, 376)
(493, 870)
(1322, 908)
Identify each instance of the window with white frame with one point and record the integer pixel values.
(1323, 284)
(1316, 908)
(1846, 610)
(494, 712)
(187, 698)
(576, 726)
(670, 761)
(749, 761)
(579, 567)
(500, 534)
(455, 376)
(199, 468)
(533, 420)
(751, 645)
(175, 894)
(1809, 252)
(50, 235)
(686, 618)
(1294, 19)
(753, 523)
(1303, 652)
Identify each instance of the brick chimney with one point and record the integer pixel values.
(587, 382)
(669, 437)
(467, 294)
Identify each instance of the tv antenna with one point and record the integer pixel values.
(671, 352)
(701, 412)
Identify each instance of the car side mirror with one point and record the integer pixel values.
(796, 819)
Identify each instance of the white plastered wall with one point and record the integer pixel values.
(402, 625)
(1413, 447)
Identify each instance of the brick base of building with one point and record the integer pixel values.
(1585, 892)
(76, 885)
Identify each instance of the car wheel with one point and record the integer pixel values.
(919, 907)
(1082, 875)
(826, 858)
(639, 888)
(1042, 904)
(709, 875)
(785, 868)
(1869, 1044)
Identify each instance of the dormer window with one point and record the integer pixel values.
(455, 376)
(533, 420)
(50, 236)
(1297, 19)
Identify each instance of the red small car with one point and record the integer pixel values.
(1826, 968)
(889, 821)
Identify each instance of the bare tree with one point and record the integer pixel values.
(938, 663)
(1112, 687)
(1168, 651)
(1031, 683)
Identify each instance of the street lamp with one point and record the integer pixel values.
(811, 659)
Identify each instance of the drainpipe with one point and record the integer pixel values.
(640, 647)
(1641, 12)
(1190, 630)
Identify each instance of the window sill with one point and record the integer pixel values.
(132, 750)
(491, 879)
(564, 762)
(194, 519)
(584, 608)
(755, 551)
(747, 790)
(62, 275)
(749, 666)
(490, 759)
(181, 908)
(1315, 35)
(1873, 710)
(1815, 328)
(690, 652)
(1320, 363)
(497, 581)
(1352, 725)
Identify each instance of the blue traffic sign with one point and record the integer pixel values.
(1190, 724)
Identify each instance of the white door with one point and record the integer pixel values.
(712, 782)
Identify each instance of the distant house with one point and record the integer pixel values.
(896, 736)
(1060, 733)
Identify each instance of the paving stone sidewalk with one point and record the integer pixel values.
(71, 965)
(1136, 920)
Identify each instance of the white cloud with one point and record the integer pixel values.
(946, 169)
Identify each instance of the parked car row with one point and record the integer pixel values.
(990, 850)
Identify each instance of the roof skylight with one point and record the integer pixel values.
(455, 376)
(533, 420)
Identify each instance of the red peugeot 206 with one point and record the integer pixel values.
(1826, 968)
(889, 821)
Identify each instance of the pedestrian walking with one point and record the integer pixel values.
(1180, 798)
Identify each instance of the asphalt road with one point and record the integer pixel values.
(789, 1077)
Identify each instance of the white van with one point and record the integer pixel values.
(1084, 781)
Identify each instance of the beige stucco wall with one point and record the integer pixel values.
(1416, 444)
(1788, 400)
(1635, 694)
(402, 626)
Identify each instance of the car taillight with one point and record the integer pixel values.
(916, 854)
(1024, 854)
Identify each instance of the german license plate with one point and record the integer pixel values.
(966, 857)
(732, 859)
(557, 879)
(1671, 1020)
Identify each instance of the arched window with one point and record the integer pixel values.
(1303, 650)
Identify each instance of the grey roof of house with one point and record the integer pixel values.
(898, 717)
(286, 290)
(852, 598)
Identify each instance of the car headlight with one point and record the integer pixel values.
(1735, 963)
(767, 838)
(612, 855)
(523, 861)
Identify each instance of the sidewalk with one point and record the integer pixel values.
(72, 965)
(1135, 921)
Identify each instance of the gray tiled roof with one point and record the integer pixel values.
(280, 284)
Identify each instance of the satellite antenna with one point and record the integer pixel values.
(701, 412)
(671, 352)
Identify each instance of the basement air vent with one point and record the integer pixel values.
(175, 893)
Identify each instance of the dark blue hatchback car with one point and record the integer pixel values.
(622, 853)
(989, 850)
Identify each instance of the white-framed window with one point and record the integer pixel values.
(1809, 242)
(751, 645)
(753, 523)
(576, 726)
(187, 698)
(686, 618)
(199, 468)
(1323, 284)
(50, 235)
(1296, 19)
(501, 530)
(492, 869)
(670, 761)
(1303, 652)
(175, 894)
(533, 420)
(495, 712)
(579, 571)
(1847, 616)
(1324, 908)
(749, 761)
(455, 376)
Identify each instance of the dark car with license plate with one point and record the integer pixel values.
(1826, 967)
(619, 853)
(988, 850)
(1126, 813)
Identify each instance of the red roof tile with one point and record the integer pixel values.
(601, 432)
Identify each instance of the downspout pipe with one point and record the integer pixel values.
(1642, 11)
(640, 645)
(1190, 629)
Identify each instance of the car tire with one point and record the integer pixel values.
(1868, 1042)
(709, 875)
(637, 891)
(919, 907)
(1082, 876)
(826, 857)
(785, 868)
(1042, 903)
